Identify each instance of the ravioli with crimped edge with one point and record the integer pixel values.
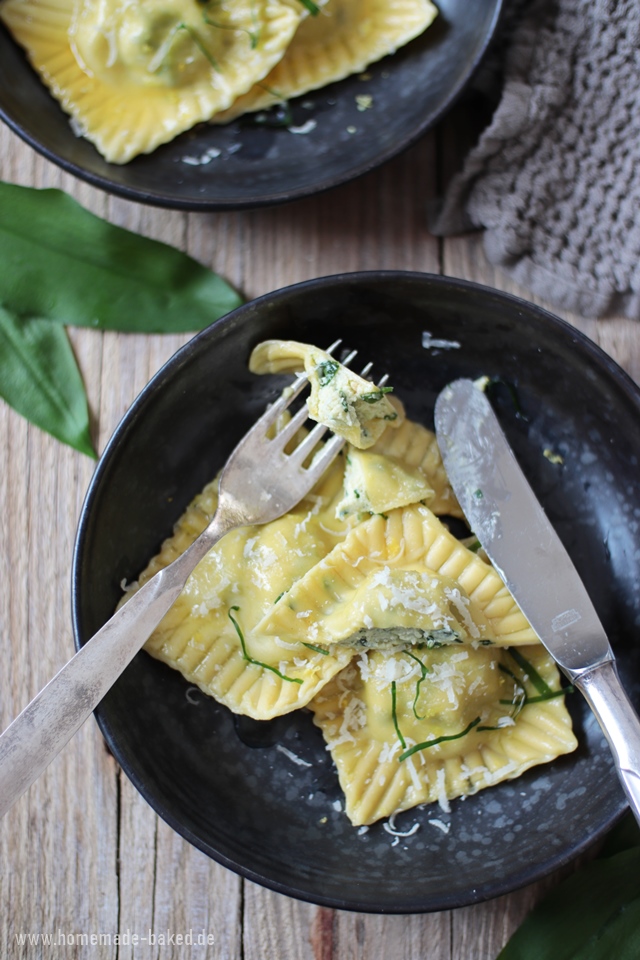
(345, 38)
(423, 725)
(208, 635)
(400, 577)
(423, 674)
(134, 75)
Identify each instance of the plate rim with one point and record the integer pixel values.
(157, 199)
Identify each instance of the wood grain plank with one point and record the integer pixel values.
(370, 224)
(61, 835)
(277, 926)
(169, 890)
(83, 851)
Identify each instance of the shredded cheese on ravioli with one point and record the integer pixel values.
(419, 668)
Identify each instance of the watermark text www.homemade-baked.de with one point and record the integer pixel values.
(123, 938)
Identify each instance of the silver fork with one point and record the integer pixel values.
(259, 483)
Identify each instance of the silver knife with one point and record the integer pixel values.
(508, 520)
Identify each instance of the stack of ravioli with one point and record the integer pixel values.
(423, 674)
(134, 75)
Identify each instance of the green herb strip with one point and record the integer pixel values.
(326, 371)
(279, 597)
(312, 646)
(432, 743)
(257, 663)
(424, 670)
(202, 47)
(551, 695)
(254, 37)
(394, 716)
(377, 396)
(541, 685)
(518, 700)
(525, 699)
(311, 7)
(474, 547)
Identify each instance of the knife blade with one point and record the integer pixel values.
(509, 522)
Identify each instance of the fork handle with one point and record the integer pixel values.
(40, 732)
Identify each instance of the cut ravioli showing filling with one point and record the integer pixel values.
(134, 75)
(374, 483)
(345, 38)
(351, 406)
(423, 725)
(415, 447)
(399, 578)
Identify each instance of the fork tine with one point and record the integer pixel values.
(305, 448)
(290, 429)
(280, 405)
(349, 357)
(365, 370)
(324, 457)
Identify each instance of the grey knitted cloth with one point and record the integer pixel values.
(555, 178)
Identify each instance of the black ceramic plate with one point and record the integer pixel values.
(260, 164)
(227, 785)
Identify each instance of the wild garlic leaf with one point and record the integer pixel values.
(39, 378)
(62, 262)
(594, 915)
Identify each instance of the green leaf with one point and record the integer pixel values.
(40, 379)
(594, 915)
(62, 262)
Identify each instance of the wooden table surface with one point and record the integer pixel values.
(82, 853)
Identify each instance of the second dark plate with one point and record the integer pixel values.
(259, 164)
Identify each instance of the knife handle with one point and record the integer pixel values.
(620, 724)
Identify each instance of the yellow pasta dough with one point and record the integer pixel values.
(417, 448)
(404, 576)
(423, 674)
(345, 38)
(134, 75)
(476, 706)
(374, 483)
(242, 577)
